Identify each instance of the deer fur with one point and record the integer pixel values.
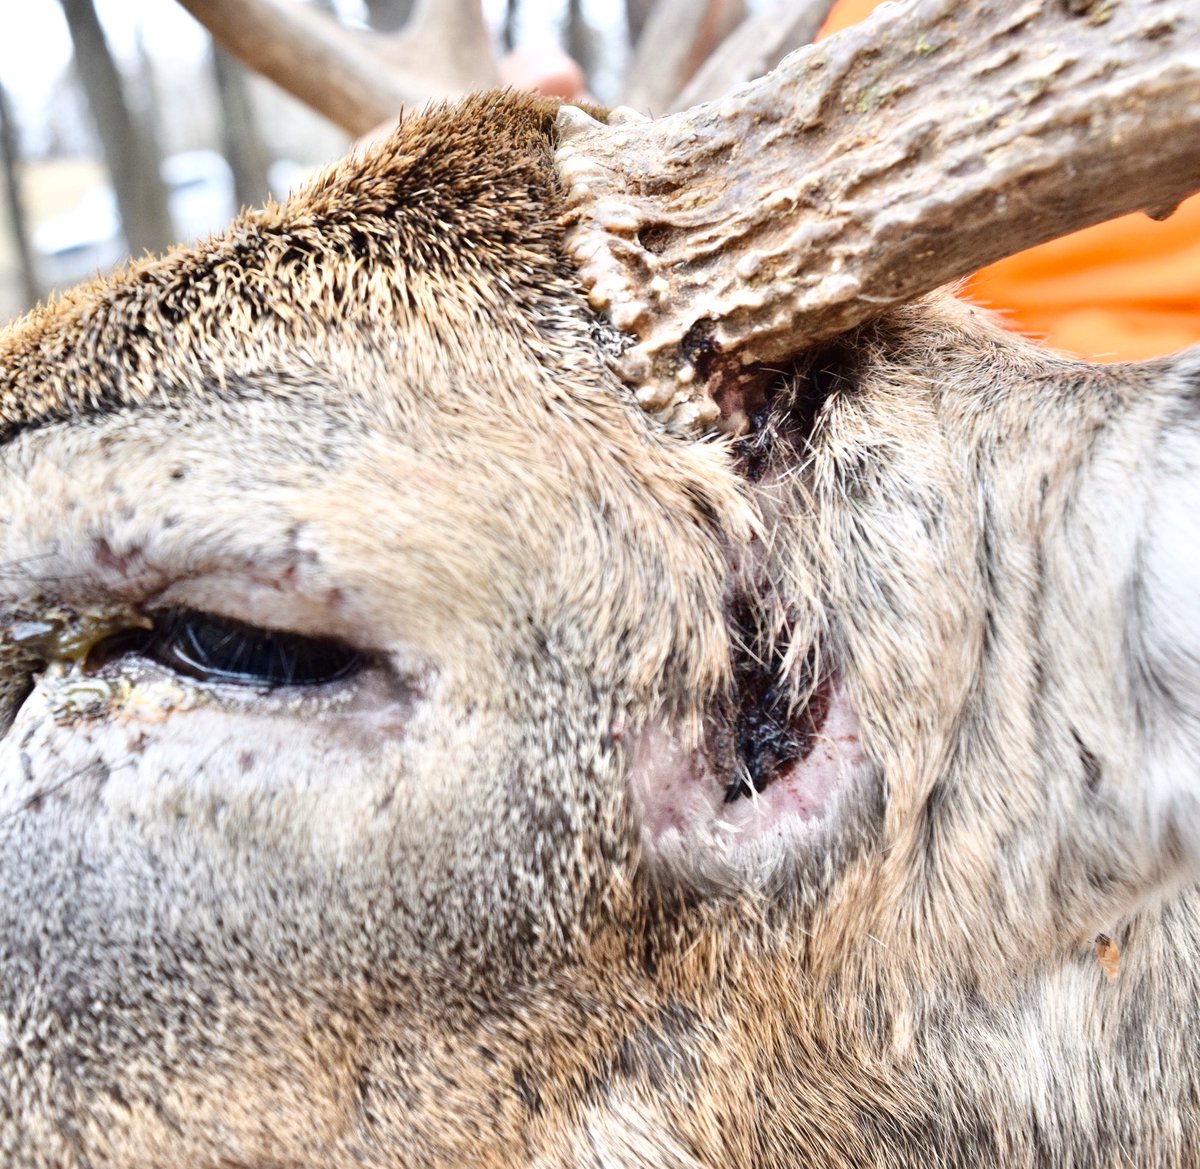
(511, 895)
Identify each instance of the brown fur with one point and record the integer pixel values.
(411, 919)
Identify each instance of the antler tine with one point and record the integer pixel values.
(678, 37)
(755, 47)
(311, 56)
(887, 160)
(355, 80)
(445, 48)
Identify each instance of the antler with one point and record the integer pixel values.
(355, 80)
(755, 47)
(871, 168)
(894, 157)
(678, 37)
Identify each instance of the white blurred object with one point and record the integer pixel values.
(87, 238)
(199, 192)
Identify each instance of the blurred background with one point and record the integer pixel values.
(123, 129)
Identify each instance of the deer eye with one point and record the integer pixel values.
(216, 649)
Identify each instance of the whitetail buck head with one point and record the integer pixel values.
(416, 754)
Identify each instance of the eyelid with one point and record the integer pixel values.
(264, 602)
(211, 648)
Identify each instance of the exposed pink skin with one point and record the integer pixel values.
(808, 787)
(672, 786)
(681, 800)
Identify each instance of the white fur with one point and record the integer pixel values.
(1166, 613)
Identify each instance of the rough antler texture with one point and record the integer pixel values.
(869, 169)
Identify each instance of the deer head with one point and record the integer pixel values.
(418, 752)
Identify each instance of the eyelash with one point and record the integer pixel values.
(216, 649)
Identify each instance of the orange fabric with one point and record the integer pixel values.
(845, 13)
(1124, 290)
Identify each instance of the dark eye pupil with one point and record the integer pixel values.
(216, 649)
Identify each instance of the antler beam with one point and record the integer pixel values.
(678, 37)
(869, 169)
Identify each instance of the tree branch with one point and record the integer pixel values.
(896, 156)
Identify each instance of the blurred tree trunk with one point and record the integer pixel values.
(637, 12)
(580, 38)
(508, 32)
(128, 148)
(241, 140)
(388, 15)
(10, 155)
(147, 112)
